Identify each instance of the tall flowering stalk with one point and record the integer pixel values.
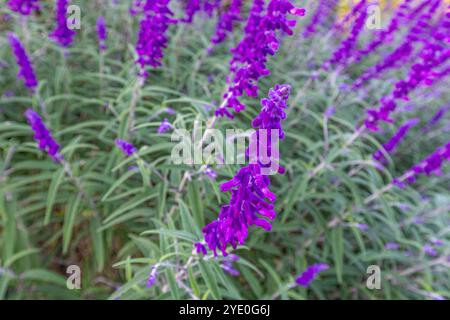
(24, 7)
(102, 34)
(323, 11)
(398, 18)
(152, 37)
(260, 40)
(396, 139)
(26, 71)
(435, 53)
(405, 50)
(227, 18)
(192, 7)
(347, 47)
(251, 200)
(43, 136)
(62, 34)
(430, 165)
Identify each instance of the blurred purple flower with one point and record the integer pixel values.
(200, 248)
(311, 272)
(43, 136)
(24, 7)
(429, 250)
(62, 34)
(164, 126)
(127, 148)
(101, 33)
(152, 276)
(26, 71)
(226, 21)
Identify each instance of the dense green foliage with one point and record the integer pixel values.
(116, 223)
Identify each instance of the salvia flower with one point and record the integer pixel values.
(311, 272)
(430, 165)
(226, 21)
(43, 136)
(152, 276)
(164, 126)
(396, 139)
(347, 47)
(62, 34)
(26, 71)
(102, 34)
(260, 40)
(24, 7)
(192, 7)
(251, 200)
(404, 51)
(436, 118)
(127, 148)
(152, 37)
(322, 13)
(210, 172)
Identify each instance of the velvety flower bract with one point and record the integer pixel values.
(307, 276)
(26, 71)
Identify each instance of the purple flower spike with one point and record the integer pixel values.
(251, 200)
(101, 33)
(127, 148)
(152, 276)
(62, 34)
(26, 72)
(250, 56)
(164, 126)
(226, 21)
(310, 274)
(396, 139)
(152, 37)
(210, 172)
(227, 265)
(200, 248)
(43, 136)
(24, 7)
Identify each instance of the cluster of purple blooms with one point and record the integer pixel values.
(248, 63)
(347, 47)
(430, 165)
(127, 148)
(102, 34)
(227, 18)
(26, 71)
(62, 34)
(310, 274)
(152, 37)
(43, 136)
(323, 11)
(249, 188)
(24, 7)
(192, 7)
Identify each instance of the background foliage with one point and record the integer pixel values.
(119, 216)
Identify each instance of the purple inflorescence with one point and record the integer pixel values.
(430, 165)
(310, 274)
(248, 63)
(127, 148)
(404, 51)
(62, 34)
(24, 7)
(226, 21)
(102, 34)
(42, 135)
(249, 187)
(396, 139)
(152, 37)
(192, 7)
(152, 276)
(26, 71)
(164, 126)
(324, 9)
(347, 47)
